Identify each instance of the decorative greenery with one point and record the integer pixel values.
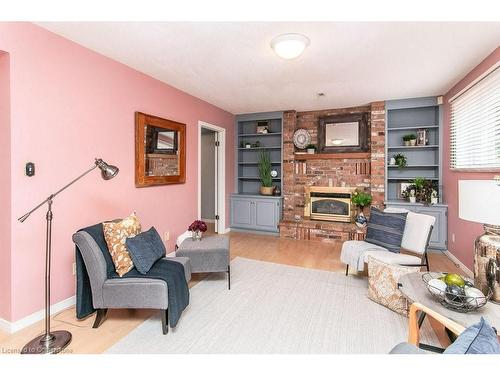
(400, 160)
(419, 182)
(361, 199)
(313, 147)
(265, 169)
(257, 144)
(409, 137)
(421, 189)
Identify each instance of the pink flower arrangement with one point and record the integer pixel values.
(198, 225)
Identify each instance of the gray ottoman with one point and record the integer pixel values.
(211, 254)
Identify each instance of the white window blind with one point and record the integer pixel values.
(475, 125)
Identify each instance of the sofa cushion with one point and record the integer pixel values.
(386, 229)
(115, 234)
(145, 249)
(477, 339)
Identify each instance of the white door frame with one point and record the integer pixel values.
(221, 183)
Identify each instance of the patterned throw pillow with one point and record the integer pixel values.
(383, 288)
(386, 229)
(116, 234)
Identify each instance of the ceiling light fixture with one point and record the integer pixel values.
(289, 46)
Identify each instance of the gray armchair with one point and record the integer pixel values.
(128, 293)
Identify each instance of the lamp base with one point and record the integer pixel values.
(55, 343)
(487, 262)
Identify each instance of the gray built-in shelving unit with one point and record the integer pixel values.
(251, 211)
(403, 117)
(247, 169)
(406, 117)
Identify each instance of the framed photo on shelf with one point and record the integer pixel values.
(401, 187)
(421, 137)
(262, 127)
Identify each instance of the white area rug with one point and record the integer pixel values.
(273, 308)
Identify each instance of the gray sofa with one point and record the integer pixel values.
(129, 293)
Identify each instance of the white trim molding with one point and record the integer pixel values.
(12, 327)
(221, 183)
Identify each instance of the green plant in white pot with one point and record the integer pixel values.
(266, 179)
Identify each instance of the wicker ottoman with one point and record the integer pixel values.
(211, 254)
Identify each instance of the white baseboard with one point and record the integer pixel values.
(227, 230)
(459, 264)
(11, 327)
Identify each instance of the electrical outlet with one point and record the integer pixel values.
(74, 268)
(453, 237)
(167, 235)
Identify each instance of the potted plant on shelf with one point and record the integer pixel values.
(410, 139)
(265, 174)
(311, 149)
(197, 228)
(360, 200)
(421, 190)
(400, 160)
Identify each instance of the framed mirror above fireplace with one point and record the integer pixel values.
(343, 133)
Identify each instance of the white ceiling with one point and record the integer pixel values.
(232, 66)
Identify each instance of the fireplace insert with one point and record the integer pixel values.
(331, 204)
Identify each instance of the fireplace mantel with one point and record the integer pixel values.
(344, 155)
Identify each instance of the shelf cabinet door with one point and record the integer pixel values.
(267, 214)
(243, 213)
(439, 233)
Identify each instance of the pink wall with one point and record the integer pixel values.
(5, 212)
(69, 104)
(465, 231)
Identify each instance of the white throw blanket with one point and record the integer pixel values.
(353, 253)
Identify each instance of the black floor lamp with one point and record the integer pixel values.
(54, 342)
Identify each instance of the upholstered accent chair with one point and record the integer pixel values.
(416, 236)
(122, 293)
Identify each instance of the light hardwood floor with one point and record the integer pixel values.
(309, 254)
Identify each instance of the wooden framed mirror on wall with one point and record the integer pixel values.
(160, 151)
(343, 133)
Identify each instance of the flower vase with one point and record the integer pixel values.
(360, 219)
(196, 235)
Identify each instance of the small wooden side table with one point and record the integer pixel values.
(414, 288)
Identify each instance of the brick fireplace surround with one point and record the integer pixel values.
(363, 171)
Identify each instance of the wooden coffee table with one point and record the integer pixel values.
(414, 288)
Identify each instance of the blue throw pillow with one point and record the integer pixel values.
(386, 229)
(145, 249)
(477, 339)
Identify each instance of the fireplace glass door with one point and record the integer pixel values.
(331, 206)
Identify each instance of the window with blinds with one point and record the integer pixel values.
(475, 125)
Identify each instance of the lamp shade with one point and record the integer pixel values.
(479, 201)
(107, 171)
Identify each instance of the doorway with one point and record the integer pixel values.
(211, 175)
